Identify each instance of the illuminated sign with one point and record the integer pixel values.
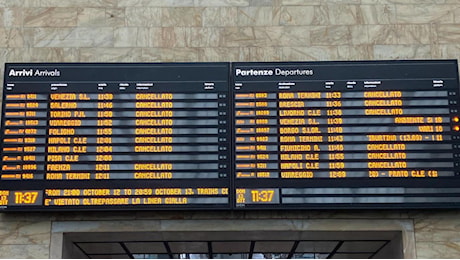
(139, 136)
(364, 134)
(346, 134)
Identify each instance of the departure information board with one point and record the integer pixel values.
(298, 135)
(115, 135)
(346, 134)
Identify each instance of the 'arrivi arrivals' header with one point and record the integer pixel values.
(34, 73)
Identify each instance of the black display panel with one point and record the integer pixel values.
(131, 136)
(373, 134)
(298, 135)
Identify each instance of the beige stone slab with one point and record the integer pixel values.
(330, 35)
(355, 52)
(181, 16)
(341, 14)
(25, 233)
(383, 34)
(64, 3)
(101, 17)
(262, 2)
(443, 51)
(224, 54)
(448, 34)
(168, 37)
(110, 55)
(10, 55)
(28, 35)
(28, 3)
(297, 15)
(265, 36)
(171, 54)
(258, 16)
(438, 250)
(290, 36)
(300, 2)
(318, 2)
(404, 1)
(378, 14)
(394, 52)
(265, 54)
(3, 20)
(74, 37)
(424, 13)
(201, 37)
(342, 1)
(78, 3)
(24, 251)
(12, 16)
(220, 16)
(437, 235)
(12, 3)
(11, 37)
(414, 34)
(222, 2)
(132, 37)
(457, 13)
(158, 3)
(359, 34)
(143, 16)
(53, 54)
(52, 16)
(103, 3)
(321, 15)
(313, 53)
(240, 36)
(437, 229)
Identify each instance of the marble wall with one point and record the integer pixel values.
(228, 30)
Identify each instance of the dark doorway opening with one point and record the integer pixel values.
(238, 245)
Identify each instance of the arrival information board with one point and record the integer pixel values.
(354, 133)
(115, 135)
(378, 134)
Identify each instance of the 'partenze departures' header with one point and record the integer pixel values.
(230, 136)
(273, 72)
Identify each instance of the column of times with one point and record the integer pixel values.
(335, 137)
(104, 148)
